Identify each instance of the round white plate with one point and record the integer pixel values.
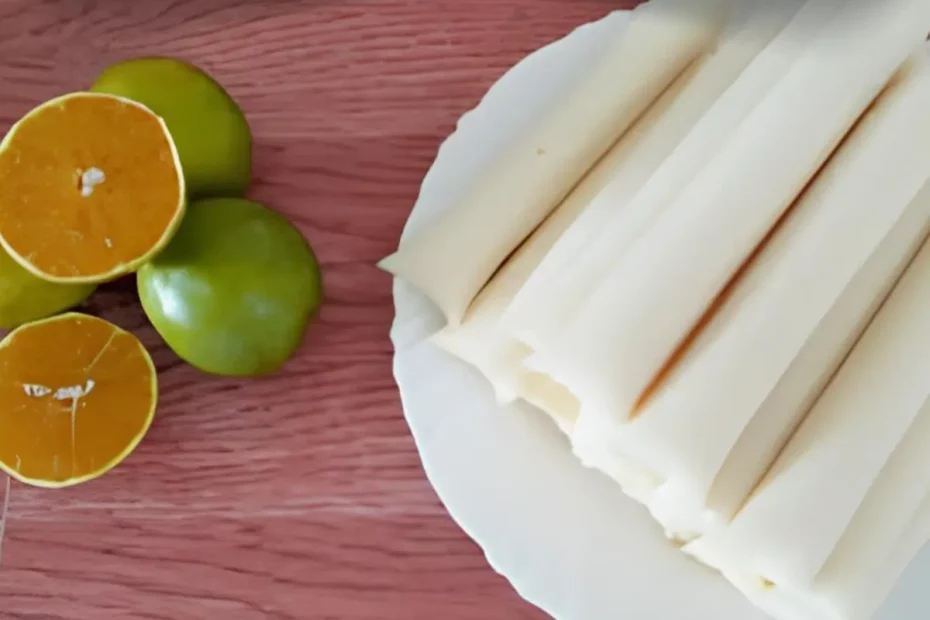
(566, 537)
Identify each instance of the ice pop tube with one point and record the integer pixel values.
(451, 260)
(718, 422)
(480, 339)
(551, 398)
(744, 71)
(794, 520)
(614, 349)
(853, 590)
(889, 527)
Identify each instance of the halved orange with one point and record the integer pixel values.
(90, 188)
(77, 395)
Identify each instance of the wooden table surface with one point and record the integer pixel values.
(299, 496)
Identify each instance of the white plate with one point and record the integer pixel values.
(565, 537)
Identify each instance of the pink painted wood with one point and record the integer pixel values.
(300, 496)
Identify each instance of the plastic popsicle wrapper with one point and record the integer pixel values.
(451, 260)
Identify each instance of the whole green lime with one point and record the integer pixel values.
(234, 290)
(211, 133)
(25, 298)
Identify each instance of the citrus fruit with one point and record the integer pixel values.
(25, 298)
(77, 395)
(209, 128)
(233, 292)
(90, 188)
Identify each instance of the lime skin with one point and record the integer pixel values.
(233, 292)
(210, 131)
(25, 298)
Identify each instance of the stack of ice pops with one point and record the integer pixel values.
(707, 264)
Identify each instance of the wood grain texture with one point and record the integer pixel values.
(300, 496)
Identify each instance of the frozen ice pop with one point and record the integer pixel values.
(858, 433)
(742, 72)
(719, 420)
(451, 260)
(614, 349)
(481, 339)
(885, 533)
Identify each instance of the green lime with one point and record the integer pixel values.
(25, 298)
(211, 133)
(234, 290)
